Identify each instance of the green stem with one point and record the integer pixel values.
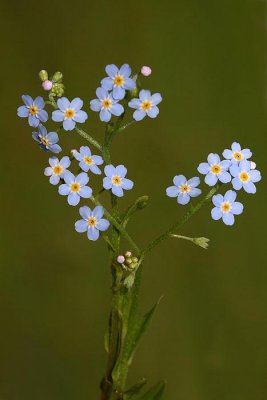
(182, 221)
(89, 138)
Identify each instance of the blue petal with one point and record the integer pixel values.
(117, 190)
(39, 102)
(237, 208)
(105, 115)
(138, 115)
(107, 183)
(69, 177)
(117, 109)
(213, 158)
(64, 189)
(228, 218)
(80, 116)
(235, 170)
(55, 148)
(48, 171)
(98, 160)
(225, 164)
(95, 170)
(246, 153)
(110, 170)
(125, 70)
(111, 70)
(65, 162)
(172, 191)
(103, 224)
(121, 171)
(53, 137)
(85, 212)
(144, 94)
(244, 165)
(183, 198)
(35, 136)
(69, 124)
(118, 93)
(203, 168)
(230, 196)
(54, 179)
(85, 167)
(81, 226)
(195, 181)
(101, 93)
(57, 116)
(85, 192)
(76, 104)
(236, 146)
(237, 184)
(255, 175)
(217, 200)
(22, 111)
(211, 179)
(156, 98)
(179, 180)
(127, 184)
(33, 121)
(107, 83)
(224, 177)
(85, 151)
(73, 199)
(216, 213)
(27, 100)
(95, 105)
(43, 115)
(195, 192)
(228, 154)
(93, 234)
(249, 187)
(129, 84)
(153, 112)
(134, 103)
(82, 178)
(98, 212)
(63, 103)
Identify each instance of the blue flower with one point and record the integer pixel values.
(87, 161)
(69, 113)
(47, 141)
(226, 207)
(91, 222)
(145, 105)
(184, 189)
(106, 105)
(115, 180)
(33, 110)
(57, 169)
(118, 80)
(74, 187)
(236, 154)
(244, 176)
(215, 169)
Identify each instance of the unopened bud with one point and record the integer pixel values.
(47, 85)
(128, 253)
(202, 242)
(128, 260)
(58, 89)
(134, 259)
(120, 259)
(132, 265)
(134, 92)
(57, 77)
(252, 165)
(142, 202)
(43, 75)
(146, 71)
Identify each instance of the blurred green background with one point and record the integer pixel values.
(208, 339)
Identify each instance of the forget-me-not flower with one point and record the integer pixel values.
(215, 170)
(69, 112)
(226, 207)
(184, 189)
(47, 141)
(118, 80)
(106, 105)
(91, 222)
(75, 187)
(236, 154)
(145, 105)
(244, 176)
(57, 169)
(88, 161)
(116, 181)
(33, 110)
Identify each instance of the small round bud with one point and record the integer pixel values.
(132, 265)
(58, 89)
(120, 259)
(252, 165)
(43, 75)
(57, 77)
(146, 71)
(47, 85)
(134, 259)
(134, 92)
(128, 253)
(128, 260)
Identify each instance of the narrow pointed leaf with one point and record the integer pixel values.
(155, 393)
(135, 389)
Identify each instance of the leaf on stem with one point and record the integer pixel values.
(135, 389)
(155, 393)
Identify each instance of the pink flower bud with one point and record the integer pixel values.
(47, 85)
(252, 165)
(128, 254)
(146, 71)
(120, 259)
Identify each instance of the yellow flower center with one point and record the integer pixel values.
(33, 110)
(226, 207)
(92, 221)
(57, 169)
(118, 80)
(75, 187)
(106, 104)
(88, 160)
(184, 188)
(237, 156)
(69, 113)
(146, 105)
(45, 141)
(216, 169)
(116, 180)
(244, 176)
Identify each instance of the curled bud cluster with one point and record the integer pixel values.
(128, 261)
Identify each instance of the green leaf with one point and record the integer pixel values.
(155, 393)
(135, 389)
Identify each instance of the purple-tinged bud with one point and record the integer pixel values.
(146, 71)
(128, 253)
(120, 259)
(252, 165)
(47, 85)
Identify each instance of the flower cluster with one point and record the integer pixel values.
(235, 168)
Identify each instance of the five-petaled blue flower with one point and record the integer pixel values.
(33, 109)
(74, 187)
(244, 176)
(236, 154)
(87, 161)
(91, 222)
(69, 113)
(215, 169)
(47, 141)
(226, 207)
(118, 80)
(115, 180)
(57, 169)
(145, 105)
(106, 105)
(184, 189)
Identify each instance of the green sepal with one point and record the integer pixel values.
(135, 389)
(155, 393)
